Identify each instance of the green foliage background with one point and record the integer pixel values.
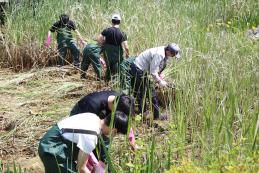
(214, 125)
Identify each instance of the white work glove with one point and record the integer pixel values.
(163, 83)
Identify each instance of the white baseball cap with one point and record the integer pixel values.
(116, 17)
(173, 47)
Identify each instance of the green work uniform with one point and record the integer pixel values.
(65, 41)
(91, 55)
(53, 143)
(113, 51)
(59, 147)
(113, 57)
(125, 77)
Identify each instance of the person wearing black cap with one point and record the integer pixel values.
(114, 44)
(65, 39)
(151, 61)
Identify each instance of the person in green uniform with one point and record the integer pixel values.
(103, 103)
(91, 55)
(65, 40)
(125, 76)
(67, 146)
(114, 44)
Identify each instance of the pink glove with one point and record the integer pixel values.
(131, 137)
(162, 75)
(100, 167)
(83, 43)
(47, 41)
(102, 62)
(92, 162)
(163, 83)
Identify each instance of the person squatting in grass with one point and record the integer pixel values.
(92, 55)
(152, 61)
(114, 44)
(103, 103)
(66, 147)
(65, 39)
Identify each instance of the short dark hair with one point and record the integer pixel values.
(120, 122)
(125, 104)
(116, 22)
(64, 18)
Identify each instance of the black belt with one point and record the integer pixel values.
(88, 132)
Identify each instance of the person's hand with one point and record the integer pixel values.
(102, 62)
(163, 83)
(100, 167)
(162, 76)
(132, 140)
(83, 43)
(47, 41)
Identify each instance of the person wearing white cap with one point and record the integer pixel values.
(114, 45)
(151, 61)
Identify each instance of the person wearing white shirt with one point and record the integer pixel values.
(67, 145)
(151, 62)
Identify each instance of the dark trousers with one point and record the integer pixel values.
(62, 48)
(91, 55)
(113, 56)
(143, 89)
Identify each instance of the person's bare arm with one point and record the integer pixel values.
(78, 35)
(126, 48)
(82, 159)
(100, 39)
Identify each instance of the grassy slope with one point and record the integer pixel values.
(215, 125)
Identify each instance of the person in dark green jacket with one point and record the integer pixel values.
(91, 55)
(65, 40)
(114, 44)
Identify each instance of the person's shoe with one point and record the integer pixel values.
(77, 65)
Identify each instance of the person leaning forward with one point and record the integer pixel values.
(152, 61)
(114, 44)
(67, 145)
(103, 103)
(91, 55)
(65, 40)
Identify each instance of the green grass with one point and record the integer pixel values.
(214, 127)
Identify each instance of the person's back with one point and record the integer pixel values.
(114, 36)
(91, 55)
(114, 44)
(150, 56)
(67, 146)
(96, 102)
(81, 123)
(62, 143)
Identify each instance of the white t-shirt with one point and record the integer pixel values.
(84, 121)
(150, 59)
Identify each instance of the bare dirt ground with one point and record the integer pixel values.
(31, 102)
